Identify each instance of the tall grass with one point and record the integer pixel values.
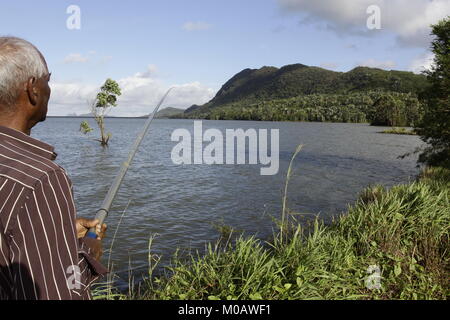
(288, 178)
(403, 231)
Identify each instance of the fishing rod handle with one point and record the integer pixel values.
(100, 216)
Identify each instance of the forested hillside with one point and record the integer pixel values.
(301, 93)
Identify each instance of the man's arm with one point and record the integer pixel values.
(51, 262)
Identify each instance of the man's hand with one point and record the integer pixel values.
(83, 226)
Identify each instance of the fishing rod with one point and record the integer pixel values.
(107, 202)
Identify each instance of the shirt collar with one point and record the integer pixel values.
(25, 141)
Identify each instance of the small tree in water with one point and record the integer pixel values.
(104, 102)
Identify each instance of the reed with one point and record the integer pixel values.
(288, 178)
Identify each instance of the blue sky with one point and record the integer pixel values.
(197, 45)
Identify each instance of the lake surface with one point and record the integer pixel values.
(180, 204)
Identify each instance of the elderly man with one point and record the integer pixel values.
(43, 250)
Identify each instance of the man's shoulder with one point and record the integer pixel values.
(26, 168)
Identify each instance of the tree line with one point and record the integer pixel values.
(375, 107)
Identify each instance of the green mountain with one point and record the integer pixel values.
(257, 94)
(168, 112)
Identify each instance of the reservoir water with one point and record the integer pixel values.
(180, 204)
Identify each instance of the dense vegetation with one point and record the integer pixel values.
(378, 108)
(435, 125)
(402, 130)
(403, 231)
(301, 93)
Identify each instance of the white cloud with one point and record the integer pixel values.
(196, 26)
(140, 94)
(372, 63)
(90, 57)
(329, 65)
(409, 20)
(422, 63)
(75, 58)
(151, 71)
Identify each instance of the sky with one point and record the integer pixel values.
(197, 45)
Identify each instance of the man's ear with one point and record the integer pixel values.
(32, 90)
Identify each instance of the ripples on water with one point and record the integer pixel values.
(181, 203)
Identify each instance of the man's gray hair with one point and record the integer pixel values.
(19, 61)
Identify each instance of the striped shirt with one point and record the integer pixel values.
(40, 255)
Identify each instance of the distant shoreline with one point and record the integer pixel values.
(246, 120)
